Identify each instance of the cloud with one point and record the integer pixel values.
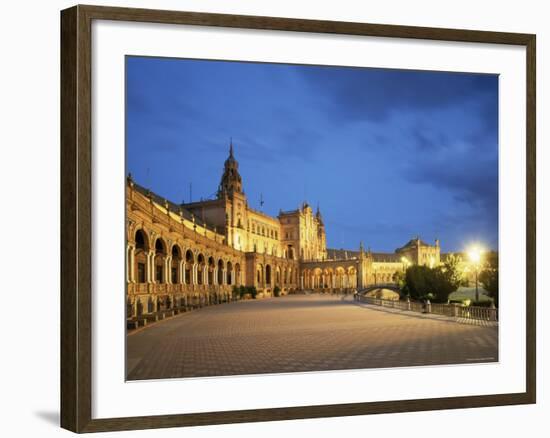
(361, 93)
(356, 139)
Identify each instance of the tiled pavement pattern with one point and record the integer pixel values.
(300, 333)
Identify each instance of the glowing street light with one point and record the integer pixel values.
(474, 254)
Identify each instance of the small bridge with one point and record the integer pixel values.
(377, 291)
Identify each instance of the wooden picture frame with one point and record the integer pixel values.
(76, 217)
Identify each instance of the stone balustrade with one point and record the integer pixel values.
(451, 310)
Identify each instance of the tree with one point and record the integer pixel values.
(453, 273)
(434, 283)
(417, 284)
(443, 282)
(399, 279)
(446, 278)
(488, 277)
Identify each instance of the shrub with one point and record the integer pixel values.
(235, 292)
(276, 291)
(252, 291)
(486, 303)
(242, 291)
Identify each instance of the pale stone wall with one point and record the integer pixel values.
(174, 262)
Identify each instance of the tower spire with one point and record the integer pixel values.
(231, 181)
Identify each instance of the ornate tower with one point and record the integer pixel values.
(231, 179)
(321, 235)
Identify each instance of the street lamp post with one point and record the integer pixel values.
(477, 288)
(475, 256)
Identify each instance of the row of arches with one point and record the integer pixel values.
(157, 263)
(382, 278)
(280, 276)
(329, 278)
(151, 304)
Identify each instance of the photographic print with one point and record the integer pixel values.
(302, 218)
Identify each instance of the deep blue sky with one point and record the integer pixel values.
(387, 154)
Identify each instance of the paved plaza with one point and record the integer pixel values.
(300, 333)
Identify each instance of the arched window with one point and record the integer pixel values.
(290, 252)
(200, 269)
(142, 248)
(237, 274)
(160, 256)
(220, 271)
(229, 273)
(175, 265)
(140, 240)
(211, 267)
(189, 262)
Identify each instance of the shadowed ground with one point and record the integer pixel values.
(300, 333)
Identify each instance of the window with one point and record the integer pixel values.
(141, 272)
(187, 274)
(175, 275)
(159, 273)
(140, 240)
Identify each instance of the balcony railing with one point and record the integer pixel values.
(167, 288)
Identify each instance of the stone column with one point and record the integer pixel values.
(133, 264)
(130, 277)
(182, 272)
(168, 270)
(150, 267)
